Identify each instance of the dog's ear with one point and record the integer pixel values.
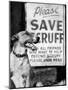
(15, 37)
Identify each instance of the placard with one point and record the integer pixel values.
(47, 21)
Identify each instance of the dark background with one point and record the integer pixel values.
(17, 17)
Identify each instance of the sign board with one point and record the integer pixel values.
(47, 21)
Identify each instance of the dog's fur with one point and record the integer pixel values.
(20, 66)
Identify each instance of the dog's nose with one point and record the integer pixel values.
(37, 40)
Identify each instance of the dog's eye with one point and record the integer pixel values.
(25, 42)
(24, 76)
(28, 44)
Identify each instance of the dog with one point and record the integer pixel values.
(19, 61)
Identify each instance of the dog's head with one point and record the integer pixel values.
(27, 39)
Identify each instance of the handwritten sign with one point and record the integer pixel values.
(47, 21)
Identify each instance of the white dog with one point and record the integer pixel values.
(19, 61)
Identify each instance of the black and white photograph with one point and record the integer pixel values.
(37, 44)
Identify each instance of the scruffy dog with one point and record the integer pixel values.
(19, 61)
